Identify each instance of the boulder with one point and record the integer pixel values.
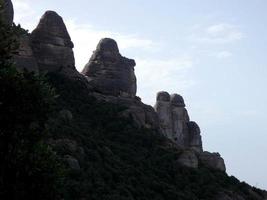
(7, 14)
(25, 59)
(110, 73)
(51, 44)
(212, 160)
(188, 159)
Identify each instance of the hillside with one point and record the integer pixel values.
(70, 135)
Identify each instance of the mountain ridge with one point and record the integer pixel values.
(108, 82)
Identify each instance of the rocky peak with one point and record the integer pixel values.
(177, 100)
(51, 43)
(109, 72)
(7, 13)
(163, 96)
(51, 29)
(175, 124)
(174, 121)
(108, 47)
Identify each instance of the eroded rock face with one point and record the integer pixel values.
(188, 159)
(109, 72)
(51, 44)
(163, 108)
(8, 13)
(180, 119)
(25, 58)
(212, 160)
(175, 123)
(194, 140)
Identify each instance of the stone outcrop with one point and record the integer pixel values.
(193, 139)
(175, 123)
(163, 109)
(188, 159)
(7, 13)
(212, 160)
(109, 72)
(142, 115)
(25, 59)
(52, 48)
(51, 44)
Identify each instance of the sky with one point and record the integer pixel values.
(212, 52)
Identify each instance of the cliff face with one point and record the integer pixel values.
(175, 123)
(109, 78)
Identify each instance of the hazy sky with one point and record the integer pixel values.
(212, 52)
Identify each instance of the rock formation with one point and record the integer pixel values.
(25, 58)
(51, 44)
(109, 72)
(110, 78)
(7, 13)
(212, 160)
(175, 124)
(193, 139)
(188, 159)
(174, 121)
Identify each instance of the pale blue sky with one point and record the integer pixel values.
(212, 52)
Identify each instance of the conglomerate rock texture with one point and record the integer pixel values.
(109, 72)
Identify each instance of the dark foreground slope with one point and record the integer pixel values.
(107, 157)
